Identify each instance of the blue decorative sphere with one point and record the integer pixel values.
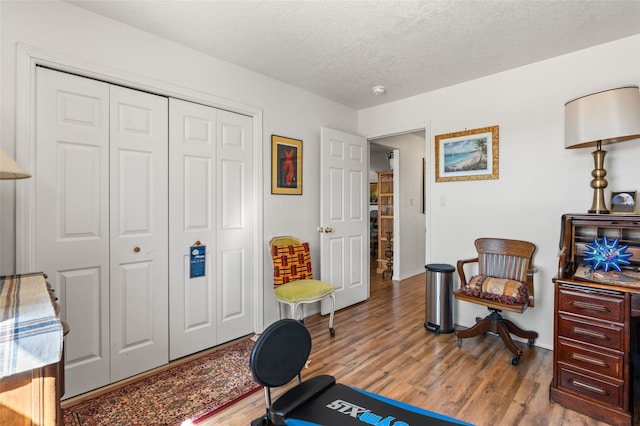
(606, 255)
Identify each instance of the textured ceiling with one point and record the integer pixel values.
(341, 49)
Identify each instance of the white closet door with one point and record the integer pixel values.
(72, 216)
(139, 232)
(235, 233)
(192, 301)
(211, 188)
(102, 225)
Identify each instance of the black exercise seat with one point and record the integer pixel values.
(296, 397)
(279, 355)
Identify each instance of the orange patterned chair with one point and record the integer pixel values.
(293, 277)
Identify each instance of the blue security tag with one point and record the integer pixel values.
(197, 261)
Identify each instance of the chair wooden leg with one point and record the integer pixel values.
(514, 329)
(503, 332)
(495, 323)
(483, 326)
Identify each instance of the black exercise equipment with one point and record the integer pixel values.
(281, 353)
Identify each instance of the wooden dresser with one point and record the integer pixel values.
(596, 317)
(31, 357)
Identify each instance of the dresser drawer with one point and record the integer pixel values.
(596, 305)
(587, 358)
(601, 334)
(610, 393)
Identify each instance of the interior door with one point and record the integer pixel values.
(139, 232)
(344, 216)
(72, 216)
(235, 226)
(192, 300)
(211, 188)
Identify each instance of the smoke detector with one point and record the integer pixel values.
(378, 90)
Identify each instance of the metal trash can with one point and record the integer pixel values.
(439, 298)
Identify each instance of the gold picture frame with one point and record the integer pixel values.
(624, 202)
(286, 165)
(467, 155)
(373, 193)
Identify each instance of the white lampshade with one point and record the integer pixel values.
(607, 117)
(9, 169)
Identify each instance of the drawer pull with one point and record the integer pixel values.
(589, 333)
(589, 360)
(591, 388)
(590, 306)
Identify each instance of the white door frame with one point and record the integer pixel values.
(409, 128)
(28, 58)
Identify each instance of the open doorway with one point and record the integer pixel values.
(408, 212)
(381, 209)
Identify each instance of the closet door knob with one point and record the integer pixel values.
(136, 249)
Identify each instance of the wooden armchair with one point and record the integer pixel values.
(504, 283)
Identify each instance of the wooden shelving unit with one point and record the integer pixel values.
(385, 217)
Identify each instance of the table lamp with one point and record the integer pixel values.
(598, 119)
(9, 169)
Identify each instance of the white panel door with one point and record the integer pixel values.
(235, 226)
(139, 232)
(211, 188)
(192, 301)
(72, 216)
(344, 216)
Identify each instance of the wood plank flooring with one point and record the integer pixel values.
(381, 346)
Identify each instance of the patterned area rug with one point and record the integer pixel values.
(189, 392)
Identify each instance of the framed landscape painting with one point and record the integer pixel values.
(467, 155)
(286, 165)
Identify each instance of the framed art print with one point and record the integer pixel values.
(373, 193)
(623, 202)
(467, 155)
(286, 165)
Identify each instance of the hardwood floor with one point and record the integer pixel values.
(381, 346)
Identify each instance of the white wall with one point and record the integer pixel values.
(66, 30)
(377, 160)
(539, 179)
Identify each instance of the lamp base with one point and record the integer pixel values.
(598, 211)
(599, 183)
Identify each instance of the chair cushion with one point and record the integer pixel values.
(290, 263)
(303, 291)
(500, 289)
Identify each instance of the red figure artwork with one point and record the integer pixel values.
(286, 165)
(288, 168)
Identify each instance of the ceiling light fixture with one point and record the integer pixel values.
(378, 90)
